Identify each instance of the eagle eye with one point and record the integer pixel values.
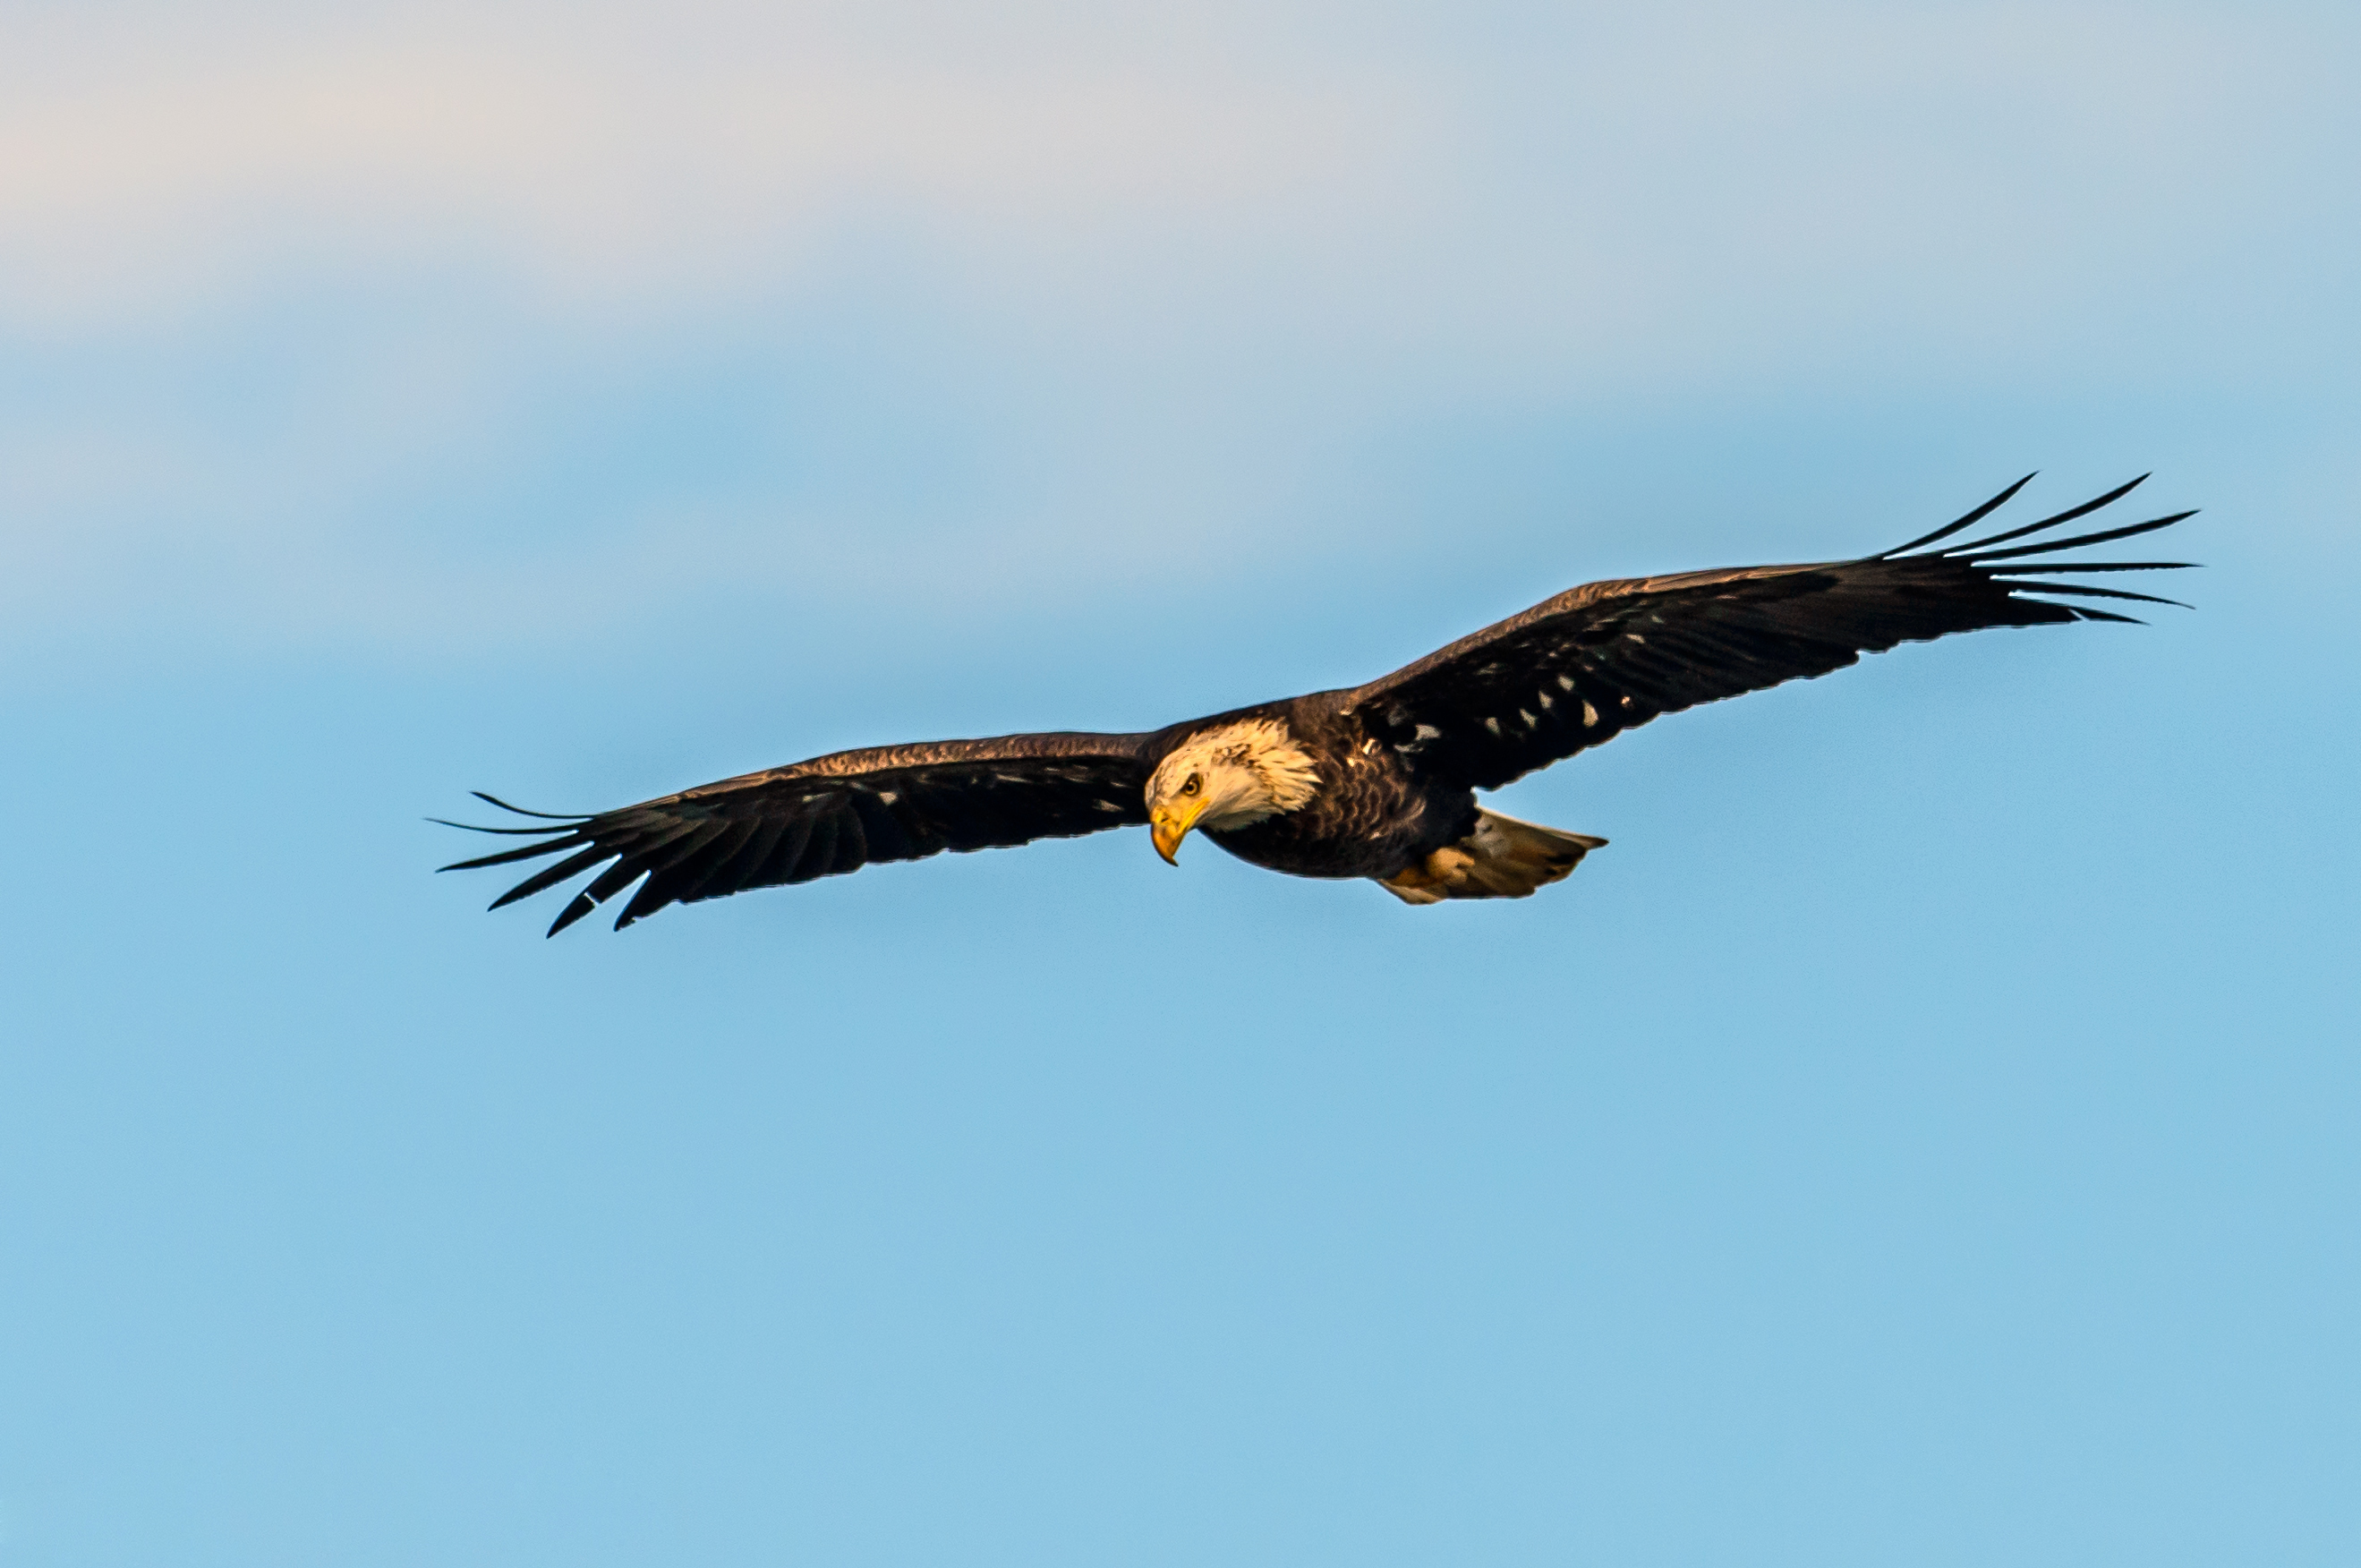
(1196, 782)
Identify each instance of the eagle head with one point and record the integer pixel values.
(1229, 776)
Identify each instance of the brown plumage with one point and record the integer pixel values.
(1375, 781)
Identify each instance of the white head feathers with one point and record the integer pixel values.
(1248, 771)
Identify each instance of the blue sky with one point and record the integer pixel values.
(1925, 1134)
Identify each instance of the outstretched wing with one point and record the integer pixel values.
(833, 815)
(1578, 670)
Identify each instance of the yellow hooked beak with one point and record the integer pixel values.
(1170, 823)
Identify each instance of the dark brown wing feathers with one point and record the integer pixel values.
(1578, 669)
(830, 815)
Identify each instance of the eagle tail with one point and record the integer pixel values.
(1502, 858)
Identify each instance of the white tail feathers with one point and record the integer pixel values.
(1503, 858)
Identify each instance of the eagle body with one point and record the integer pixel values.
(1378, 781)
(1372, 815)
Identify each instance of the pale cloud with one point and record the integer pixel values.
(593, 164)
(1668, 191)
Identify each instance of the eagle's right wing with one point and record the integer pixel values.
(833, 815)
(1575, 671)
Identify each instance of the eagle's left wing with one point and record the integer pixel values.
(833, 815)
(1576, 669)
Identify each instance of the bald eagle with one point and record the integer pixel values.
(1378, 781)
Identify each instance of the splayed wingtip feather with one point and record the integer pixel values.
(1968, 520)
(1976, 555)
(521, 811)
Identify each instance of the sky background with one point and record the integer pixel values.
(1928, 1134)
